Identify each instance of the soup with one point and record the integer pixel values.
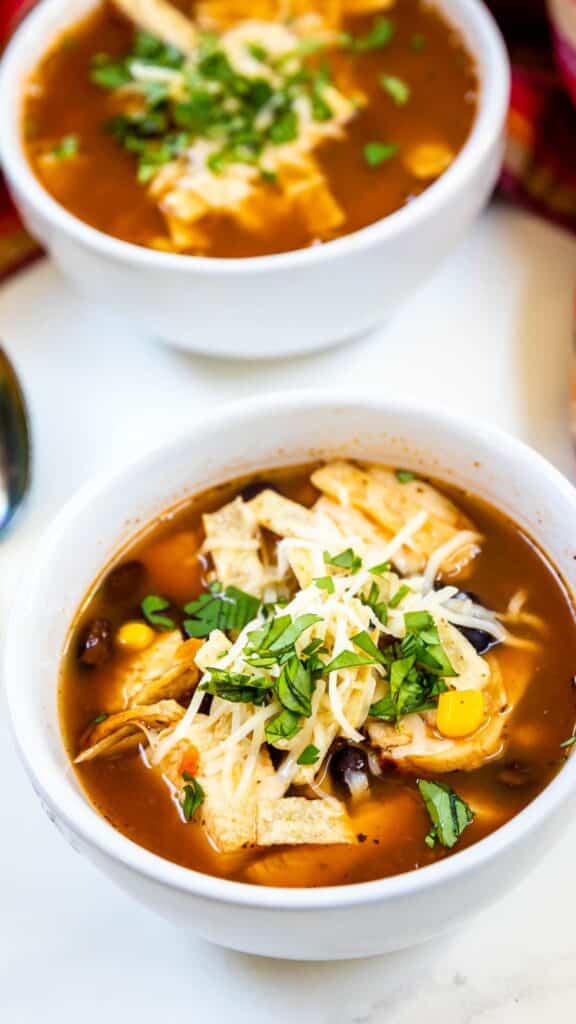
(241, 133)
(324, 675)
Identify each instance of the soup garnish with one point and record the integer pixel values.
(334, 675)
(251, 127)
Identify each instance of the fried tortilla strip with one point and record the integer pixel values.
(316, 206)
(233, 540)
(416, 746)
(156, 671)
(161, 19)
(329, 12)
(379, 495)
(105, 737)
(294, 820)
(287, 518)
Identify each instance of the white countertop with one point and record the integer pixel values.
(489, 335)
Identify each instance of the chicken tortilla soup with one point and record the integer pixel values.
(320, 676)
(237, 128)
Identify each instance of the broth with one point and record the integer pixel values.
(392, 824)
(430, 98)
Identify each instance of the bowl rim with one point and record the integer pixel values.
(67, 799)
(488, 50)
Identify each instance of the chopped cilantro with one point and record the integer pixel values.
(398, 596)
(228, 609)
(377, 153)
(285, 129)
(325, 583)
(404, 476)
(294, 687)
(192, 796)
(237, 687)
(449, 814)
(67, 147)
(152, 606)
(379, 36)
(365, 642)
(417, 42)
(347, 659)
(257, 52)
(282, 727)
(309, 755)
(372, 601)
(397, 89)
(345, 560)
(99, 718)
(569, 742)
(379, 570)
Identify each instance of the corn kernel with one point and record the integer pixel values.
(428, 160)
(133, 637)
(460, 712)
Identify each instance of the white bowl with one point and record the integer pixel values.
(328, 923)
(266, 306)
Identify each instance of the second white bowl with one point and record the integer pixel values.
(266, 306)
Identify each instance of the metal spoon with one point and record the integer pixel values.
(14, 444)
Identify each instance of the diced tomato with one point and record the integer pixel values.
(189, 762)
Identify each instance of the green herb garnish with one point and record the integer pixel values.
(309, 755)
(417, 42)
(237, 687)
(347, 659)
(372, 601)
(397, 89)
(67, 148)
(378, 37)
(449, 814)
(377, 153)
(569, 742)
(379, 570)
(398, 596)
(345, 560)
(404, 476)
(325, 583)
(99, 718)
(192, 796)
(282, 727)
(152, 607)
(294, 687)
(226, 609)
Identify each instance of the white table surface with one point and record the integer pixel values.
(489, 335)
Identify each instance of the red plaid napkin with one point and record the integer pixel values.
(540, 164)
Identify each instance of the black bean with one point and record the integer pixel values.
(123, 582)
(346, 761)
(95, 647)
(253, 489)
(481, 640)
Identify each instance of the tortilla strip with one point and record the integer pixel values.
(233, 540)
(116, 728)
(161, 19)
(379, 495)
(329, 12)
(294, 820)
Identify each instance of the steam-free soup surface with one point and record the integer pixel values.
(410, 87)
(391, 822)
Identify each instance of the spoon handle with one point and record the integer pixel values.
(15, 457)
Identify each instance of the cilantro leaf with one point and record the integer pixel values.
(67, 148)
(377, 153)
(399, 596)
(378, 37)
(152, 606)
(237, 687)
(404, 476)
(379, 570)
(192, 797)
(309, 755)
(449, 814)
(282, 727)
(228, 609)
(325, 583)
(399, 92)
(345, 560)
(347, 659)
(365, 642)
(294, 687)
